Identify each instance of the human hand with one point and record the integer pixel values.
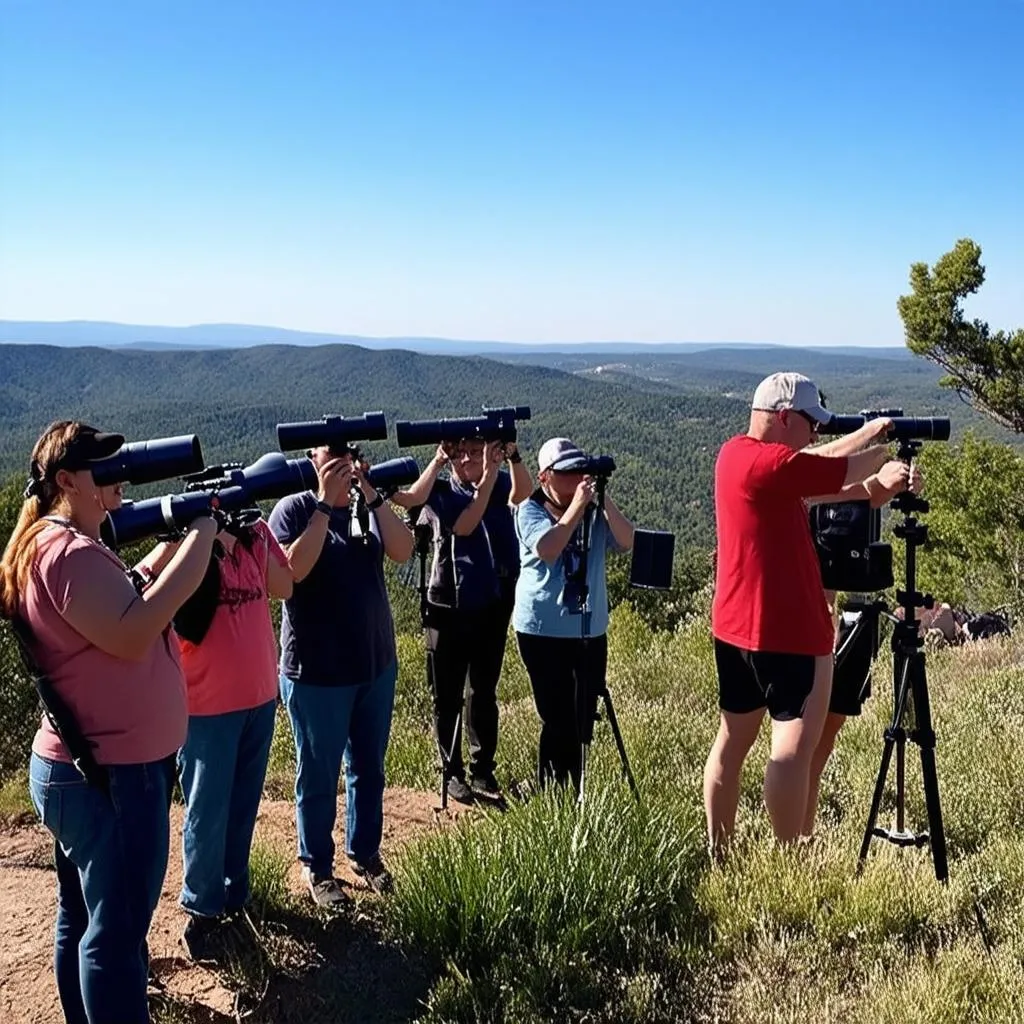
(358, 479)
(877, 429)
(916, 480)
(894, 475)
(493, 457)
(442, 456)
(585, 491)
(334, 476)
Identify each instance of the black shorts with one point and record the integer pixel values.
(851, 677)
(750, 680)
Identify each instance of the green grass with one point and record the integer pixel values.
(612, 912)
(15, 802)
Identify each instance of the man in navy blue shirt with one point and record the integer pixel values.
(338, 663)
(470, 596)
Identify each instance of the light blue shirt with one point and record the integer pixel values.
(540, 608)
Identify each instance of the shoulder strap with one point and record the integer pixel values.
(57, 713)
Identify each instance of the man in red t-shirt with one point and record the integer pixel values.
(772, 626)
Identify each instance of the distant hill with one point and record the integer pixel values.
(77, 333)
(662, 418)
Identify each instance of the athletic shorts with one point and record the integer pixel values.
(851, 677)
(751, 680)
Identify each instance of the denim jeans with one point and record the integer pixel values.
(111, 856)
(222, 767)
(332, 723)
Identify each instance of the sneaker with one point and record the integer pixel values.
(324, 889)
(375, 874)
(486, 786)
(201, 937)
(458, 790)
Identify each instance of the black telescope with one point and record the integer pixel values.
(904, 428)
(335, 432)
(496, 424)
(270, 476)
(388, 476)
(145, 462)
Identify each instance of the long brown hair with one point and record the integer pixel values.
(42, 497)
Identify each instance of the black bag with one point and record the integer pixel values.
(193, 619)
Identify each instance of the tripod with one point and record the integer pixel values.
(910, 687)
(589, 691)
(423, 535)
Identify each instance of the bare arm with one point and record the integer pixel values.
(470, 516)
(861, 465)
(105, 608)
(280, 582)
(872, 431)
(395, 536)
(621, 527)
(552, 544)
(522, 484)
(419, 492)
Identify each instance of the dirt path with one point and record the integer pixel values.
(341, 968)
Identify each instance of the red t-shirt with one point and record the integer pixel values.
(768, 590)
(235, 667)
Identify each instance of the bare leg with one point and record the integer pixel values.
(736, 735)
(787, 777)
(833, 723)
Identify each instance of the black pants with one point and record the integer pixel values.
(567, 677)
(461, 646)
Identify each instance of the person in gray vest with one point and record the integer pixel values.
(469, 597)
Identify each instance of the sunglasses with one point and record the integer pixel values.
(808, 419)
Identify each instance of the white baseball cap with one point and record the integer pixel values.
(790, 391)
(559, 454)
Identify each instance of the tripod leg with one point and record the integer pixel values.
(614, 723)
(892, 736)
(924, 737)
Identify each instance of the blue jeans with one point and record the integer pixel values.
(222, 767)
(332, 723)
(111, 856)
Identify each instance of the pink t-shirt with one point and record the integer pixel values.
(134, 712)
(235, 666)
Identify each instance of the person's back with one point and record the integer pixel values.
(768, 591)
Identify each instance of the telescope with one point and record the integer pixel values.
(334, 432)
(388, 476)
(270, 476)
(496, 424)
(145, 462)
(904, 428)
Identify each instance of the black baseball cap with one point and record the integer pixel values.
(89, 445)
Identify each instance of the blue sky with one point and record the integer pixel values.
(527, 171)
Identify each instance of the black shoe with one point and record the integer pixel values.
(202, 937)
(458, 790)
(375, 874)
(486, 785)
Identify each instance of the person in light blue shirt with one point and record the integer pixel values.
(561, 635)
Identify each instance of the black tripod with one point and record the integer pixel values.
(910, 686)
(590, 691)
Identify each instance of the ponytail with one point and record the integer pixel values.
(42, 496)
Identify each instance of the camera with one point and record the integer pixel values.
(847, 534)
(334, 432)
(145, 462)
(388, 476)
(224, 489)
(904, 428)
(496, 424)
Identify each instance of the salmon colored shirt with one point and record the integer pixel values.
(235, 666)
(133, 712)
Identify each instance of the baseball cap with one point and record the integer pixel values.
(559, 454)
(790, 391)
(89, 445)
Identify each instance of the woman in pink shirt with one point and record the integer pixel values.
(113, 664)
(229, 654)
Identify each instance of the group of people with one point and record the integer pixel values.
(171, 670)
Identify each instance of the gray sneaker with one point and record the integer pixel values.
(375, 874)
(458, 790)
(324, 889)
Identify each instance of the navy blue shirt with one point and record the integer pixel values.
(336, 628)
(471, 572)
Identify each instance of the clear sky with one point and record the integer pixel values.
(525, 170)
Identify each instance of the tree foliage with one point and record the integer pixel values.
(975, 554)
(986, 369)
